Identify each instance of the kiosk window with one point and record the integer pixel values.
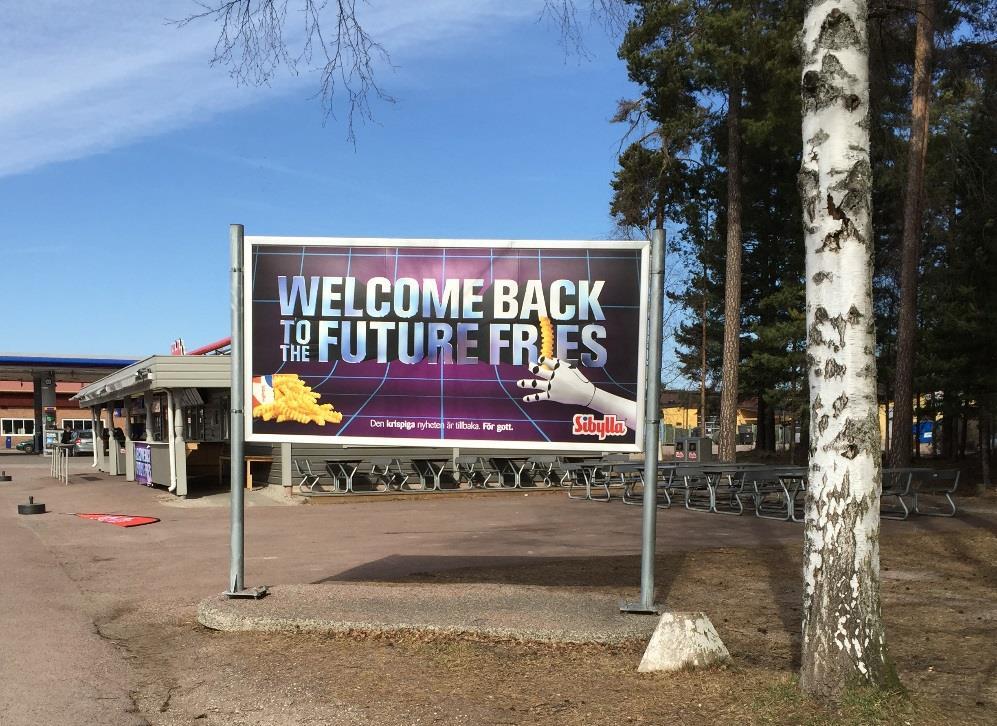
(206, 423)
(226, 416)
(158, 418)
(77, 424)
(193, 417)
(17, 426)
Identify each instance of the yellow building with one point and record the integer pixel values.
(680, 409)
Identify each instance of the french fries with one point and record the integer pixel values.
(546, 339)
(296, 401)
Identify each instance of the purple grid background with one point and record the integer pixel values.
(443, 394)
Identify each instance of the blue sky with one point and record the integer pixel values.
(126, 156)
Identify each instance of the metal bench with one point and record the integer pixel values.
(308, 479)
(386, 474)
(472, 471)
(697, 489)
(940, 483)
(895, 493)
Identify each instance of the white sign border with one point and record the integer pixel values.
(596, 446)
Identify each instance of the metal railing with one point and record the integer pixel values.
(59, 463)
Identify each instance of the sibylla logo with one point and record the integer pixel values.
(588, 425)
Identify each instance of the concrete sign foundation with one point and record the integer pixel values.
(683, 640)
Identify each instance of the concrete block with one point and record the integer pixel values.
(683, 640)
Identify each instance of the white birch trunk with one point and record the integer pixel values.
(843, 637)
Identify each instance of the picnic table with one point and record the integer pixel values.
(936, 483)
(430, 471)
(702, 482)
(472, 469)
(510, 470)
(738, 486)
(342, 468)
(387, 472)
(786, 483)
(547, 469)
(593, 472)
(635, 469)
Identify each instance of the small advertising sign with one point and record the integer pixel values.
(143, 464)
(446, 343)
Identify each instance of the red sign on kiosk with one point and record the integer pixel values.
(694, 449)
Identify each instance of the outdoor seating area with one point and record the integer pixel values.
(387, 474)
(766, 491)
(732, 489)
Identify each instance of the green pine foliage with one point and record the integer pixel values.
(685, 55)
(957, 305)
(954, 314)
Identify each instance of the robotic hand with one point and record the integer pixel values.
(564, 383)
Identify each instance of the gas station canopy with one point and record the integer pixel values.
(75, 369)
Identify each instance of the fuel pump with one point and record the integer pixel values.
(50, 428)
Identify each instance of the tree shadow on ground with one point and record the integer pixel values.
(978, 522)
(616, 572)
(785, 584)
(951, 541)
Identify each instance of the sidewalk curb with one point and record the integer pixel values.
(525, 614)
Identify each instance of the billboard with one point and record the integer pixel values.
(533, 345)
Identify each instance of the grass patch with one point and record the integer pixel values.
(775, 702)
(782, 702)
(869, 705)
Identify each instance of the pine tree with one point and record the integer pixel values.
(706, 68)
(911, 241)
(899, 82)
(773, 292)
(957, 341)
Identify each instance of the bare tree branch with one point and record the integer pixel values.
(253, 45)
(633, 112)
(612, 15)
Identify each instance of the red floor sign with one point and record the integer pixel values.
(120, 520)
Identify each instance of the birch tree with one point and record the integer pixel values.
(843, 636)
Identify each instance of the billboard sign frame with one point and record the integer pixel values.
(596, 444)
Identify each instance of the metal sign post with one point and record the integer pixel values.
(237, 588)
(651, 408)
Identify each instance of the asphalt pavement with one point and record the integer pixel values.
(64, 578)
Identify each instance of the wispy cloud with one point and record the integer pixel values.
(86, 76)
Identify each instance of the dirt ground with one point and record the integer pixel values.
(938, 600)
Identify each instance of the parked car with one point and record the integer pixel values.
(82, 443)
(28, 447)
